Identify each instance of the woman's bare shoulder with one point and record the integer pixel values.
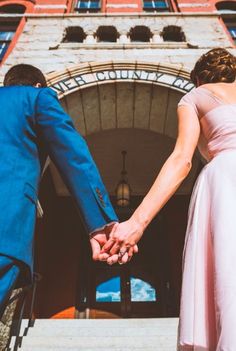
(224, 91)
(220, 86)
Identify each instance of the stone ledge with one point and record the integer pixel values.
(129, 15)
(169, 45)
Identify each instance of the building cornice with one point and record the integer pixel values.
(129, 15)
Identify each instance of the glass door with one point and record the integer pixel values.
(138, 289)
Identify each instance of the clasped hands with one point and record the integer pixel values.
(116, 243)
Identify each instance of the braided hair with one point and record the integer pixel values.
(217, 65)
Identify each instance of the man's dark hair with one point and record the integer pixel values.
(23, 74)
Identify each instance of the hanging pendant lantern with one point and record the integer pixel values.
(123, 189)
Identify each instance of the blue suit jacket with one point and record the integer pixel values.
(29, 118)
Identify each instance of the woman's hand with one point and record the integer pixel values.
(123, 240)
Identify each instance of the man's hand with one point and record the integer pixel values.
(122, 243)
(116, 242)
(98, 240)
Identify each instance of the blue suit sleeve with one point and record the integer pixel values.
(69, 151)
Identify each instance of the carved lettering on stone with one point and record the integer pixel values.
(73, 83)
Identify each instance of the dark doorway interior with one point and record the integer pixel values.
(138, 289)
(73, 286)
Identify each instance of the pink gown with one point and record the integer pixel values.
(208, 300)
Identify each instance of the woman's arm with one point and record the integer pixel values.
(173, 172)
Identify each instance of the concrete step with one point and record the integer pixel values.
(65, 343)
(107, 322)
(88, 328)
(102, 335)
(84, 348)
(123, 348)
(104, 349)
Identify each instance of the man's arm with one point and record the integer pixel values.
(69, 151)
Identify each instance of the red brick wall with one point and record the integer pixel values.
(29, 6)
(196, 5)
(122, 6)
(128, 6)
(111, 6)
(39, 6)
(42, 6)
(52, 6)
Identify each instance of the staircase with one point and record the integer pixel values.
(101, 335)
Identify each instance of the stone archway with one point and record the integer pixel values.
(114, 95)
(96, 73)
(112, 99)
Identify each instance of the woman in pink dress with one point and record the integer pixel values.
(207, 118)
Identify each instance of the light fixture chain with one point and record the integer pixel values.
(124, 153)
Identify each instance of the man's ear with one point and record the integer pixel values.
(38, 85)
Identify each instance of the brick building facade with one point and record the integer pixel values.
(119, 67)
(17, 16)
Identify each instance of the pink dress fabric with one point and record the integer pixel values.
(208, 300)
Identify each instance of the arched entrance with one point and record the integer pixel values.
(118, 106)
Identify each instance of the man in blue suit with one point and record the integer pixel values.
(33, 125)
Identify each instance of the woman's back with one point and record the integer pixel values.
(215, 105)
(226, 92)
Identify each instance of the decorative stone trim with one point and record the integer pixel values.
(156, 16)
(193, 5)
(121, 6)
(91, 44)
(50, 7)
(87, 75)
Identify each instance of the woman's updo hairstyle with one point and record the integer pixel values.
(217, 65)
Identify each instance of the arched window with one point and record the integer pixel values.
(173, 33)
(107, 34)
(140, 34)
(109, 291)
(74, 35)
(142, 291)
(13, 8)
(8, 26)
(226, 6)
(228, 13)
(156, 6)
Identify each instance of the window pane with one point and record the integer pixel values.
(148, 5)
(6, 36)
(155, 4)
(232, 31)
(109, 291)
(94, 5)
(142, 291)
(3, 49)
(87, 5)
(83, 5)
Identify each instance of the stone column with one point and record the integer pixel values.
(123, 39)
(157, 38)
(90, 38)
